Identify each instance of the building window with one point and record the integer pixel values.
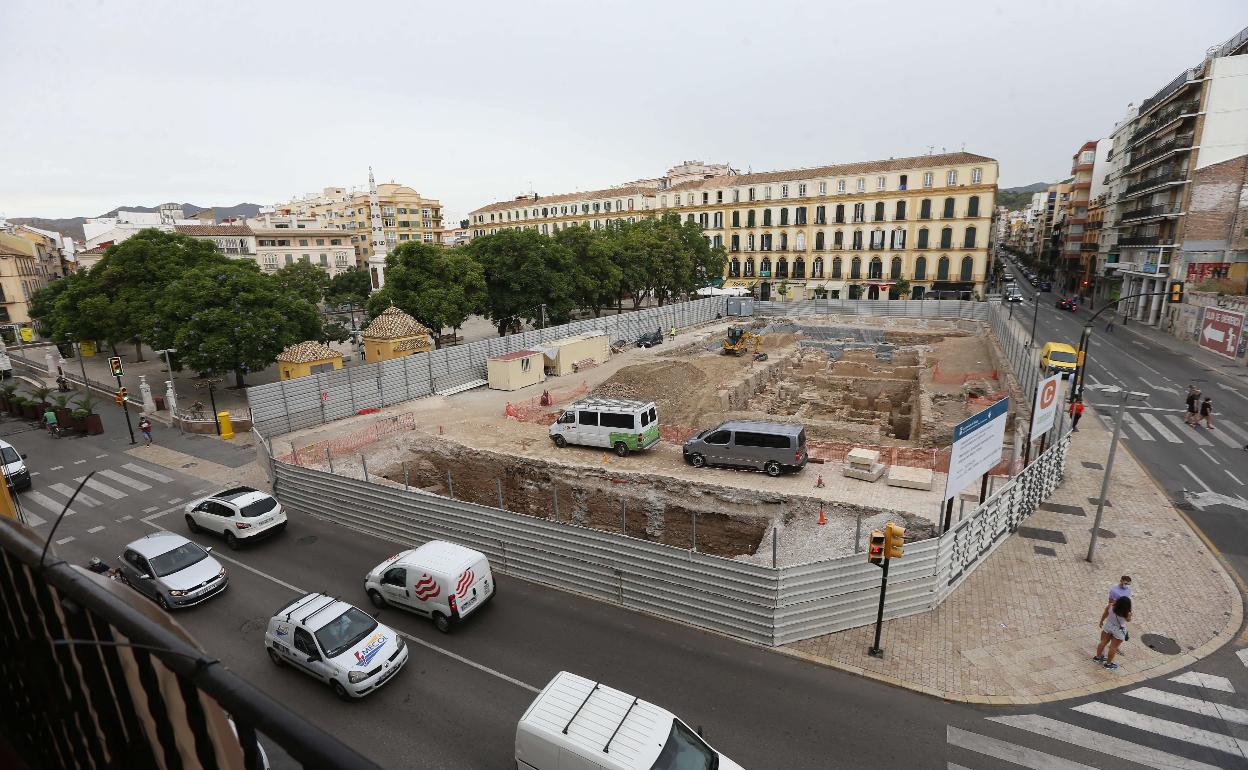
(855, 268)
(784, 241)
(860, 212)
(303, 241)
(750, 193)
(701, 220)
(784, 217)
(968, 238)
(767, 192)
(606, 206)
(836, 267)
(952, 177)
(719, 196)
(736, 242)
(898, 239)
(895, 270)
(946, 237)
(801, 191)
(948, 212)
(749, 218)
(736, 196)
(901, 182)
(736, 219)
(749, 267)
(840, 213)
(899, 212)
(840, 186)
(816, 268)
(784, 191)
(630, 204)
(766, 217)
(734, 267)
(877, 239)
(782, 268)
(663, 202)
(719, 219)
(838, 240)
(972, 206)
(977, 175)
(290, 259)
(799, 268)
(942, 269)
(749, 242)
(881, 183)
(764, 267)
(764, 242)
(968, 268)
(861, 185)
(819, 241)
(821, 215)
(823, 188)
(879, 212)
(920, 269)
(799, 215)
(857, 241)
(799, 241)
(875, 269)
(927, 179)
(925, 209)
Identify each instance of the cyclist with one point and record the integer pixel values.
(49, 418)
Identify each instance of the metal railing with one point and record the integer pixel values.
(92, 678)
(1160, 209)
(1165, 177)
(1182, 141)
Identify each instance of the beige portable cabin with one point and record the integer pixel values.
(567, 355)
(512, 371)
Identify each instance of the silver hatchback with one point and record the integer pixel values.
(173, 571)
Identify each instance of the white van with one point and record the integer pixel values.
(13, 462)
(440, 580)
(611, 423)
(579, 724)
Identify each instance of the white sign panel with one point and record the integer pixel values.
(977, 443)
(1044, 411)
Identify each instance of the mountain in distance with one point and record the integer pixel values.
(1014, 198)
(72, 226)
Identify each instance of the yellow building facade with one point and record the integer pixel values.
(306, 358)
(395, 334)
(22, 273)
(850, 231)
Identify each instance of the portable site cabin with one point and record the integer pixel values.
(563, 356)
(512, 371)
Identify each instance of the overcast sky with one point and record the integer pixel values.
(109, 103)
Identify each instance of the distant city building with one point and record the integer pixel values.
(55, 251)
(852, 230)
(105, 231)
(454, 236)
(277, 240)
(23, 271)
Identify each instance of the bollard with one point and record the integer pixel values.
(498, 483)
(555, 496)
(329, 459)
(450, 486)
(405, 475)
(775, 545)
(623, 516)
(364, 464)
(693, 527)
(223, 423)
(858, 534)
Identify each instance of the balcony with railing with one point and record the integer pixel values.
(1154, 181)
(1151, 212)
(1140, 160)
(1146, 240)
(1163, 118)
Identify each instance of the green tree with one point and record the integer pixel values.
(437, 286)
(228, 316)
(349, 286)
(596, 276)
(526, 273)
(303, 280)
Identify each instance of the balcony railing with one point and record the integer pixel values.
(1188, 107)
(1180, 142)
(1146, 240)
(1161, 209)
(1157, 180)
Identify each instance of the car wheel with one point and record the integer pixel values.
(621, 449)
(191, 525)
(377, 599)
(772, 468)
(561, 442)
(341, 691)
(697, 460)
(164, 604)
(441, 622)
(231, 541)
(273, 656)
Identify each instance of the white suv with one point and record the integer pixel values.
(241, 513)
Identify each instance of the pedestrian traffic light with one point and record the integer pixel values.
(894, 539)
(875, 551)
(1176, 293)
(114, 363)
(122, 396)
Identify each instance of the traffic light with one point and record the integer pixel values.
(875, 551)
(114, 363)
(894, 539)
(122, 396)
(1176, 293)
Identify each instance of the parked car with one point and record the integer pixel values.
(1044, 286)
(440, 580)
(1067, 303)
(1058, 357)
(171, 570)
(612, 423)
(773, 447)
(241, 513)
(650, 339)
(339, 644)
(576, 723)
(16, 474)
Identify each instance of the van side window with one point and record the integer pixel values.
(801, 438)
(645, 419)
(653, 416)
(618, 420)
(588, 418)
(567, 418)
(750, 439)
(719, 437)
(304, 643)
(395, 576)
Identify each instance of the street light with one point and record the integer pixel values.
(1124, 397)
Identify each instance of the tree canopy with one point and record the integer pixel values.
(528, 276)
(304, 280)
(349, 286)
(437, 286)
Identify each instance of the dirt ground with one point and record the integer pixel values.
(904, 389)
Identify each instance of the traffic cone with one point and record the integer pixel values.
(819, 483)
(822, 518)
(605, 458)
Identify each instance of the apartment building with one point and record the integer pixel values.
(277, 240)
(853, 230)
(406, 215)
(22, 273)
(105, 231)
(1077, 260)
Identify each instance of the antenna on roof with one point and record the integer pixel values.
(964, 147)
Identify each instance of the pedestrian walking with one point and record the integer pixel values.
(1109, 325)
(1117, 591)
(1114, 632)
(145, 425)
(1076, 411)
(1206, 413)
(1193, 398)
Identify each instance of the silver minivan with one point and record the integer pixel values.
(774, 447)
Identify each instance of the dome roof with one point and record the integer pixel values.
(394, 324)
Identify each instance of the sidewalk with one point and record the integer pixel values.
(1024, 626)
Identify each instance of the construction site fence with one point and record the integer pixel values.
(304, 402)
(770, 605)
(892, 308)
(1021, 351)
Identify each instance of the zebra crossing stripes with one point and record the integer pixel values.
(68, 492)
(1134, 426)
(1205, 681)
(1099, 742)
(1161, 429)
(1196, 434)
(50, 504)
(125, 481)
(1009, 752)
(1195, 705)
(1236, 431)
(102, 488)
(1221, 436)
(1176, 730)
(147, 472)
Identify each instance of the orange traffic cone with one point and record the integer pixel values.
(822, 518)
(605, 458)
(819, 483)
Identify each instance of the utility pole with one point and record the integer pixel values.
(1126, 395)
(123, 397)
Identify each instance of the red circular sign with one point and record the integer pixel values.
(1048, 393)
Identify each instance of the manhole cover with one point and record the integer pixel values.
(1105, 533)
(1158, 643)
(306, 540)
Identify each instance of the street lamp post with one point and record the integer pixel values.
(1035, 315)
(1124, 397)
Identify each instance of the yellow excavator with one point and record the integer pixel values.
(739, 339)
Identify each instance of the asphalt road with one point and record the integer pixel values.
(1203, 471)
(457, 703)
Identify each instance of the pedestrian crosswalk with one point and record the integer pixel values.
(1170, 428)
(43, 504)
(1191, 721)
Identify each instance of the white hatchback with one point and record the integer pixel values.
(241, 513)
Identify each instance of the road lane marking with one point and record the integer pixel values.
(1206, 454)
(93, 530)
(1194, 476)
(152, 517)
(1194, 432)
(1151, 369)
(124, 518)
(1161, 429)
(41, 499)
(100, 457)
(1164, 727)
(1009, 752)
(1099, 742)
(175, 500)
(1195, 705)
(56, 467)
(153, 508)
(1207, 681)
(1225, 439)
(139, 469)
(103, 489)
(79, 462)
(33, 519)
(125, 481)
(68, 491)
(1136, 428)
(1243, 656)
(65, 540)
(1238, 432)
(1233, 476)
(417, 640)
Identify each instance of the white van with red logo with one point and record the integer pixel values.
(440, 580)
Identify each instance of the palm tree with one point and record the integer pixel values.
(41, 395)
(88, 404)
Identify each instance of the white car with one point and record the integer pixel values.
(241, 513)
(336, 643)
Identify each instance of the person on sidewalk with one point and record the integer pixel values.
(145, 425)
(1206, 413)
(1193, 398)
(1114, 632)
(1121, 589)
(1076, 411)
(1109, 325)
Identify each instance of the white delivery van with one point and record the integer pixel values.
(579, 724)
(611, 423)
(440, 580)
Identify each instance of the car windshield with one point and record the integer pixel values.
(344, 631)
(1062, 356)
(178, 559)
(9, 454)
(258, 508)
(684, 750)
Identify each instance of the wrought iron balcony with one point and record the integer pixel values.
(1165, 177)
(1146, 240)
(1161, 209)
(1180, 142)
